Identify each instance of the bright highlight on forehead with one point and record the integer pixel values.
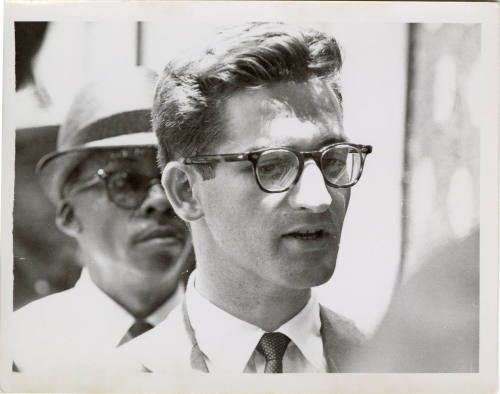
(283, 113)
(286, 129)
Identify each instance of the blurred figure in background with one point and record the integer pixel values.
(432, 324)
(105, 183)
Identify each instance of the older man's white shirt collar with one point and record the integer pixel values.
(228, 342)
(115, 319)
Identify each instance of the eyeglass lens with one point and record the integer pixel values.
(128, 189)
(341, 165)
(277, 169)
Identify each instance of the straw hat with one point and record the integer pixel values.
(107, 114)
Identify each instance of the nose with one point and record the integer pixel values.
(156, 202)
(310, 192)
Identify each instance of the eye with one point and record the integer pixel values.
(333, 163)
(118, 181)
(276, 169)
(272, 167)
(127, 181)
(341, 165)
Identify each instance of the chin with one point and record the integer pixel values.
(310, 277)
(324, 277)
(162, 261)
(155, 262)
(322, 271)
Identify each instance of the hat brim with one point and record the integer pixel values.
(54, 168)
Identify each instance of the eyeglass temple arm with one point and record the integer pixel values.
(366, 148)
(91, 182)
(209, 159)
(101, 174)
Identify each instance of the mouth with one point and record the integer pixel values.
(168, 235)
(307, 235)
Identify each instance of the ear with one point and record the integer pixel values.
(178, 181)
(66, 219)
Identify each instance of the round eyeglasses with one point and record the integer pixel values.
(125, 189)
(278, 169)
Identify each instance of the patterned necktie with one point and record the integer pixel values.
(272, 345)
(139, 327)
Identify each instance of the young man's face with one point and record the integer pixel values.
(146, 241)
(288, 239)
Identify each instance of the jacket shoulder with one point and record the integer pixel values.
(41, 328)
(344, 328)
(50, 315)
(341, 338)
(51, 304)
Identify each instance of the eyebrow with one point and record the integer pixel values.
(120, 160)
(121, 157)
(121, 163)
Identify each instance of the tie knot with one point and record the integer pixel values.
(273, 345)
(139, 327)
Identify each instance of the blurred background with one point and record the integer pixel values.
(410, 90)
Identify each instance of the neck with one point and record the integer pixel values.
(244, 294)
(132, 295)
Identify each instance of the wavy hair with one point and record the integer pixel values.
(191, 91)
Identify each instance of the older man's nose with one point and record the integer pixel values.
(310, 192)
(156, 202)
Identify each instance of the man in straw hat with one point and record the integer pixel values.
(105, 183)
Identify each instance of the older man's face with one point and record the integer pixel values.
(288, 239)
(146, 241)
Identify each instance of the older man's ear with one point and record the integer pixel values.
(66, 220)
(179, 182)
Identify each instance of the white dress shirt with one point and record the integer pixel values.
(74, 327)
(228, 343)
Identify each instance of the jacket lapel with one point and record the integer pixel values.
(340, 338)
(197, 358)
(328, 336)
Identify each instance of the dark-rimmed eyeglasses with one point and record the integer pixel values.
(278, 169)
(125, 189)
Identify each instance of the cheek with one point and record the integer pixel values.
(104, 226)
(347, 197)
(232, 207)
(223, 203)
(340, 202)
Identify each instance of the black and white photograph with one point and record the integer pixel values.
(147, 244)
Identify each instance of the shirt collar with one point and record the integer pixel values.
(304, 330)
(160, 313)
(229, 342)
(115, 319)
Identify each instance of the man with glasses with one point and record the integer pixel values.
(256, 160)
(105, 182)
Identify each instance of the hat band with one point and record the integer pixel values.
(116, 125)
(143, 139)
